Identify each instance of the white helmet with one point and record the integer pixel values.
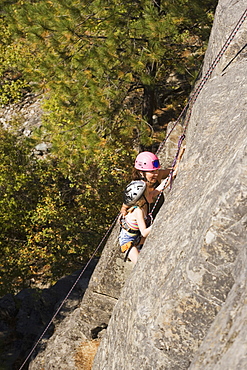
(134, 191)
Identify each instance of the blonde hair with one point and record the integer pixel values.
(138, 203)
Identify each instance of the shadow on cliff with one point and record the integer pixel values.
(27, 315)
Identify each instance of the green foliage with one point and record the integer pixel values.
(96, 54)
(15, 202)
(103, 67)
(50, 223)
(12, 83)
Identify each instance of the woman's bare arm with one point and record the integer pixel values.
(165, 183)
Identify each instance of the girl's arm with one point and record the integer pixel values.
(124, 209)
(141, 222)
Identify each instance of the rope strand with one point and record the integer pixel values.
(210, 70)
(69, 292)
(191, 102)
(193, 99)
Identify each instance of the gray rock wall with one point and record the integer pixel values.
(89, 321)
(184, 304)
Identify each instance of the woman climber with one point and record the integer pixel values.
(147, 168)
(139, 196)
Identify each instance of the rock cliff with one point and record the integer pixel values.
(183, 306)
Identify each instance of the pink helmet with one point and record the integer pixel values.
(147, 161)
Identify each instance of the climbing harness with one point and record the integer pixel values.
(134, 191)
(127, 246)
(188, 107)
(124, 225)
(131, 245)
(134, 233)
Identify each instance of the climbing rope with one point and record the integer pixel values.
(188, 107)
(214, 64)
(69, 292)
(210, 70)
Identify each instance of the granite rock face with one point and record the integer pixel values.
(89, 321)
(184, 304)
(24, 316)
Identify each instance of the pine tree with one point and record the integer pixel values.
(97, 58)
(103, 67)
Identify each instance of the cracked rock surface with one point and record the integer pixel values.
(183, 306)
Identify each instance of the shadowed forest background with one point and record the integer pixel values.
(111, 75)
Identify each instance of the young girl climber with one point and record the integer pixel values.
(133, 225)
